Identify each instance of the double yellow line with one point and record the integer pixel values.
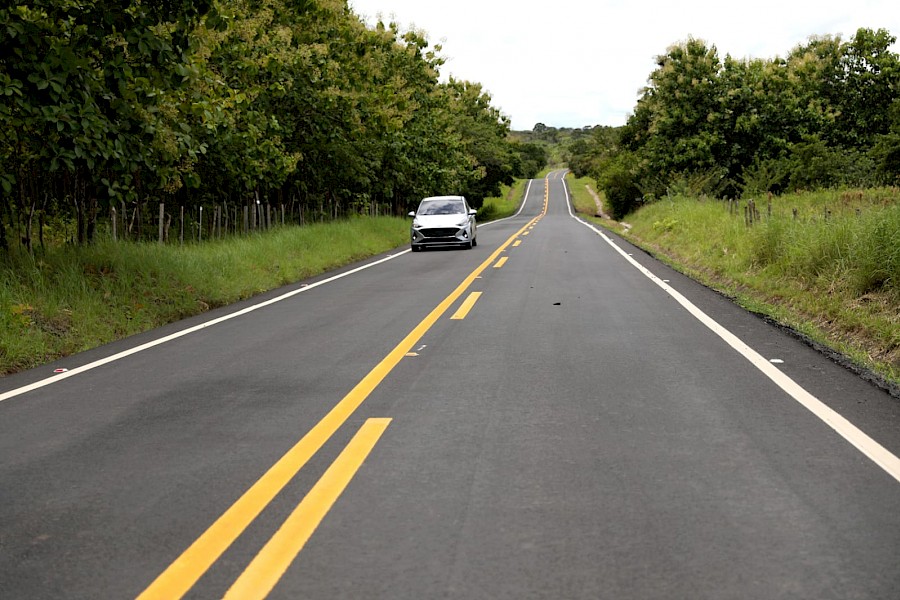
(269, 565)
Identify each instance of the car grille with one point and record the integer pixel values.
(439, 231)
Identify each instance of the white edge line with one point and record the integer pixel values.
(862, 442)
(146, 346)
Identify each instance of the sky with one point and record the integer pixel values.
(576, 63)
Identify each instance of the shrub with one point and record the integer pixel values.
(620, 186)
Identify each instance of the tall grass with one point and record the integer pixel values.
(827, 263)
(857, 254)
(75, 298)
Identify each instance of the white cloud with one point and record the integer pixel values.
(585, 63)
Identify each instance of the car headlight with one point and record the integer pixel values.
(463, 223)
(415, 224)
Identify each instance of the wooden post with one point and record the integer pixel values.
(246, 219)
(114, 221)
(162, 216)
(200, 226)
(181, 232)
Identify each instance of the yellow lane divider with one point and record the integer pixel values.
(267, 568)
(177, 579)
(466, 306)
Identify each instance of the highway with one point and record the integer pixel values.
(552, 414)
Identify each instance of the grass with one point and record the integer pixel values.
(504, 205)
(71, 299)
(582, 199)
(826, 264)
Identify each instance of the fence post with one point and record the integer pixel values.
(124, 222)
(181, 232)
(162, 215)
(200, 226)
(114, 221)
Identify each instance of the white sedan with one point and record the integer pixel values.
(443, 221)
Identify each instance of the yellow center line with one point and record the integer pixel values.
(516, 243)
(184, 572)
(466, 306)
(499, 264)
(267, 568)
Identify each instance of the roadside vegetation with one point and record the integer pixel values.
(79, 297)
(582, 199)
(826, 116)
(505, 204)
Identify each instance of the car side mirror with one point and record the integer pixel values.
(473, 212)
(412, 213)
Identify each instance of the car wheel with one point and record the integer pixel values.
(474, 241)
(415, 248)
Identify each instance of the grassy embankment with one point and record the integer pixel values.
(69, 299)
(504, 205)
(831, 272)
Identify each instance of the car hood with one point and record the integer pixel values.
(439, 220)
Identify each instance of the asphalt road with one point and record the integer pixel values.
(589, 424)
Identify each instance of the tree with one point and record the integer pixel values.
(484, 131)
(86, 86)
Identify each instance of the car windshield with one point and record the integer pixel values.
(442, 207)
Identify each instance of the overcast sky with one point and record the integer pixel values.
(584, 63)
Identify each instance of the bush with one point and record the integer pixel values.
(620, 186)
(815, 165)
